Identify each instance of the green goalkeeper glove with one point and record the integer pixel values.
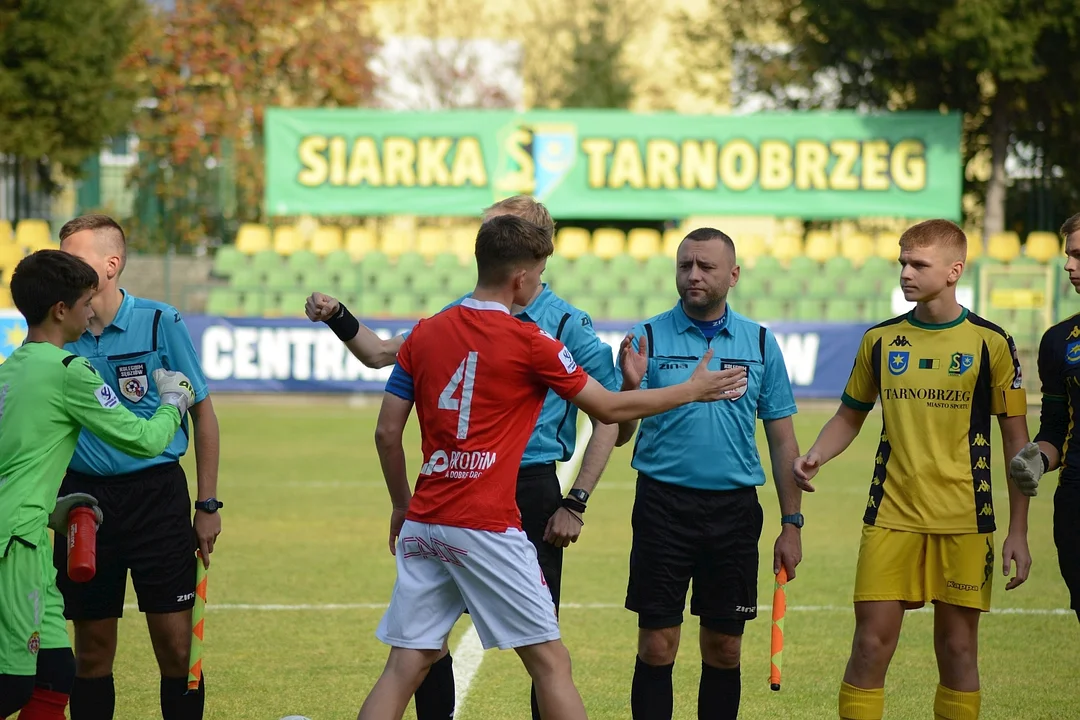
(58, 519)
(174, 388)
(1026, 469)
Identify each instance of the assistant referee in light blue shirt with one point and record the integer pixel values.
(696, 514)
(550, 521)
(148, 527)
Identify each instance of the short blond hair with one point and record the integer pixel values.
(524, 207)
(935, 233)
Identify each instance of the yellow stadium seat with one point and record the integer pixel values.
(642, 243)
(359, 241)
(10, 255)
(1043, 246)
(5, 298)
(672, 239)
(1003, 246)
(572, 242)
(975, 247)
(821, 245)
(786, 247)
(252, 238)
(287, 240)
(887, 245)
(395, 241)
(857, 248)
(7, 233)
(463, 241)
(748, 248)
(608, 242)
(33, 234)
(325, 240)
(431, 241)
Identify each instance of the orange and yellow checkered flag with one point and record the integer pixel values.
(197, 626)
(779, 610)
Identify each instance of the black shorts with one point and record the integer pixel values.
(1067, 536)
(539, 495)
(683, 534)
(147, 529)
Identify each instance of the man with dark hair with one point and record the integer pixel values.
(550, 521)
(696, 514)
(479, 378)
(1054, 447)
(151, 532)
(47, 395)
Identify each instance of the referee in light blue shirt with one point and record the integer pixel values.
(696, 514)
(148, 527)
(550, 521)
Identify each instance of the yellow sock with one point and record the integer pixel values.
(956, 705)
(859, 704)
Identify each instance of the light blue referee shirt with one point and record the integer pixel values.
(710, 446)
(144, 336)
(555, 435)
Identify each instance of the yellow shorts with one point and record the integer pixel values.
(916, 567)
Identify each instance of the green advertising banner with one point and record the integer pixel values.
(591, 164)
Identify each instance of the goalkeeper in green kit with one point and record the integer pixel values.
(47, 396)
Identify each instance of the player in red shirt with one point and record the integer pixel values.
(478, 378)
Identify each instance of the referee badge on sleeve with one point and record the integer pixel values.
(132, 381)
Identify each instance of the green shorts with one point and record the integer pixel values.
(31, 607)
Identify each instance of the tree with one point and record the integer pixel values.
(597, 77)
(210, 70)
(63, 86)
(985, 58)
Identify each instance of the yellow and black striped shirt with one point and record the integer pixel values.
(939, 387)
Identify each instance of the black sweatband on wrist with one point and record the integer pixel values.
(343, 324)
(1046, 462)
(571, 504)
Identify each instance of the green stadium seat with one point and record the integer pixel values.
(751, 284)
(788, 286)
(841, 310)
(805, 310)
(266, 261)
(446, 262)
(1025, 260)
(461, 282)
(391, 280)
(589, 265)
(227, 260)
(302, 260)
(403, 305)
(880, 267)
(768, 266)
(411, 262)
(245, 278)
(291, 303)
(283, 278)
(838, 267)
(641, 285)
(254, 303)
(556, 265)
(568, 283)
(656, 305)
(802, 265)
(338, 259)
(821, 287)
(624, 308)
(322, 279)
(222, 301)
(861, 286)
(605, 284)
(768, 308)
(660, 266)
(427, 282)
(595, 305)
(881, 309)
(370, 304)
(623, 265)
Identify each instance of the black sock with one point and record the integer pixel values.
(92, 698)
(179, 704)
(435, 696)
(718, 693)
(651, 697)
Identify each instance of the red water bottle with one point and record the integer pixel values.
(82, 544)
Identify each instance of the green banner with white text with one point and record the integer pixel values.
(591, 164)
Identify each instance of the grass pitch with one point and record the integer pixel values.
(305, 525)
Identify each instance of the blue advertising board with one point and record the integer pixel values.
(269, 355)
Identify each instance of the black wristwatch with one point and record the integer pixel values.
(579, 495)
(210, 505)
(796, 520)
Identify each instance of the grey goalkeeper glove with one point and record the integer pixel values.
(58, 519)
(174, 388)
(1026, 469)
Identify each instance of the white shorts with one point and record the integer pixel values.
(442, 570)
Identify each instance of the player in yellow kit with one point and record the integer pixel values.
(941, 373)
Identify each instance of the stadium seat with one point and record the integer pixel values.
(327, 239)
(5, 298)
(857, 248)
(10, 255)
(807, 310)
(252, 238)
(281, 279)
(861, 286)
(624, 308)
(588, 265)
(265, 262)
(624, 265)
(430, 241)
(391, 280)
(461, 282)
(642, 243)
(572, 242)
(841, 310)
(303, 260)
(661, 266)
(881, 267)
(222, 301)
(767, 265)
(254, 303)
(33, 235)
(463, 242)
(371, 304)
(641, 285)
(750, 285)
(787, 286)
(821, 245)
(403, 305)
(7, 232)
(291, 303)
(556, 264)
(433, 304)
(608, 242)
(750, 248)
(822, 287)
(787, 247)
(246, 278)
(595, 305)
(655, 305)
(359, 241)
(673, 237)
(226, 260)
(569, 282)
(375, 262)
(446, 262)
(337, 260)
(1003, 246)
(287, 240)
(838, 267)
(395, 241)
(322, 279)
(411, 262)
(605, 284)
(887, 245)
(804, 266)
(426, 282)
(1043, 246)
(769, 308)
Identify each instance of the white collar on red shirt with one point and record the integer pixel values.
(484, 305)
